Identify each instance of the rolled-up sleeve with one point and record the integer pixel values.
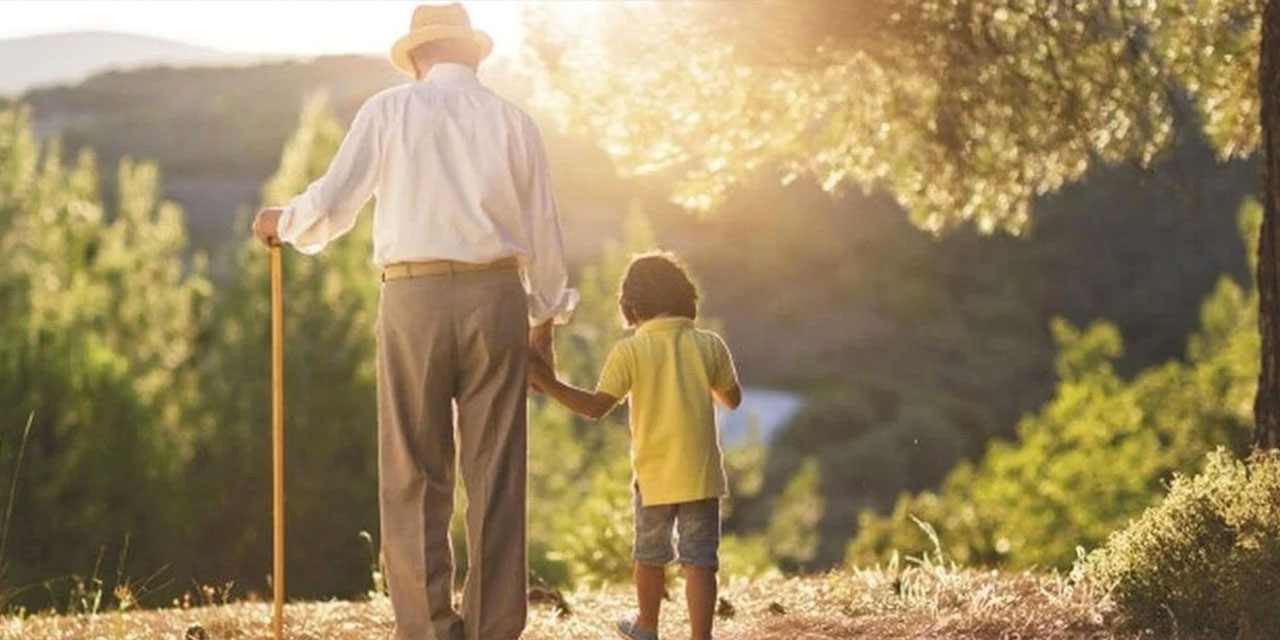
(329, 206)
(545, 270)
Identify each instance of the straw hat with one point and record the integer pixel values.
(437, 22)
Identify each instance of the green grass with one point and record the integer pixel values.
(923, 601)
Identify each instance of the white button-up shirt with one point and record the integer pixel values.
(459, 174)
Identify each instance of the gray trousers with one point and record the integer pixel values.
(454, 340)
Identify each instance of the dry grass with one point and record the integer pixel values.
(925, 602)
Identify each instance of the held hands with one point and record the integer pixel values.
(542, 356)
(541, 375)
(266, 226)
(589, 404)
(541, 342)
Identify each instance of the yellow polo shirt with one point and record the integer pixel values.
(668, 368)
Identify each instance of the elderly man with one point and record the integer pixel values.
(466, 231)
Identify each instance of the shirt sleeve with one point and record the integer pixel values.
(329, 206)
(724, 375)
(616, 377)
(545, 271)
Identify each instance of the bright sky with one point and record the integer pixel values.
(294, 28)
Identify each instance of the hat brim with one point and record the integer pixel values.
(420, 36)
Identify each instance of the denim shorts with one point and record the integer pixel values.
(697, 523)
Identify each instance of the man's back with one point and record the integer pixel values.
(456, 160)
(459, 174)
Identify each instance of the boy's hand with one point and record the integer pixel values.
(591, 404)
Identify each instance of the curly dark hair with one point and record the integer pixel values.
(656, 284)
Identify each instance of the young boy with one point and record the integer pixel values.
(671, 370)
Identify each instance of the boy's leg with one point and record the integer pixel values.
(650, 584)
(700, 594)
(698, 524)
(652, 552)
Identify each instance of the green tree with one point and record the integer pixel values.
(97, 342)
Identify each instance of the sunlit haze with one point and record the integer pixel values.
(829, 318)
(277, 28)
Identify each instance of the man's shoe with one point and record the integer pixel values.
(627, 629)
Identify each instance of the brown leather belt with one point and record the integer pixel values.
(443, 267)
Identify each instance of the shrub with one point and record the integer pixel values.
(1207, 557)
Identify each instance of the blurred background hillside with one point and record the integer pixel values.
(881, 357)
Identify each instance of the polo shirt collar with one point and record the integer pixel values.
(451, 73)
(664, 324)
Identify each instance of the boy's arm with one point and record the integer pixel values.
(731, 398)
(724, 384)
(589, 404)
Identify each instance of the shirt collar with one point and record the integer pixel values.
(664, 324)
(451, 73)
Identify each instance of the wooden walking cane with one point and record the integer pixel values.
(277, 439)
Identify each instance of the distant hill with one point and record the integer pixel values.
(67, 58)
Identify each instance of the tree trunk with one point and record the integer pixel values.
(1266, 407)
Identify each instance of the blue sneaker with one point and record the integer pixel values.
(627, 629)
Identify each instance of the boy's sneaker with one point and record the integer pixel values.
(627, 629)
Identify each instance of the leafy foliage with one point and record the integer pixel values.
(965, 110)
(1205, 558)
(97, 341)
